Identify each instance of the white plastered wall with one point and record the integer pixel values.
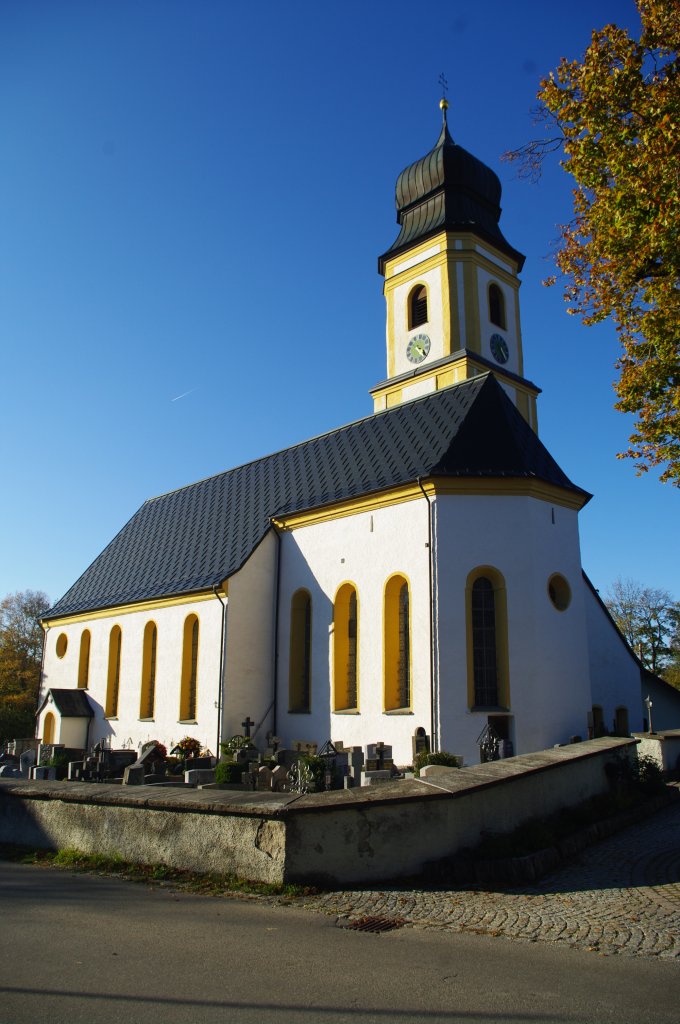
(127, 729)
(434, 328)
(614, 673)
(249, 665)
(547, 648)
(364, 549)
(71, 732)
(509, 332)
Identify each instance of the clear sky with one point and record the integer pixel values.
(193, 196)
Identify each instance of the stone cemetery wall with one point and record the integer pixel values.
(370, 833)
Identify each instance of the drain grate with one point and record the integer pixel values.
(373, 924)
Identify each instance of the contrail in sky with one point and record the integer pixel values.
(183, 395)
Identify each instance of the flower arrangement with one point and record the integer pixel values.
(188, 747)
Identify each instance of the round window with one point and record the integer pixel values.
(62, 644)
(559, 591)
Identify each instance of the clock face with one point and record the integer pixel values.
(418, 348)
(499, 348)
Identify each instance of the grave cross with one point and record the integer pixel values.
(380, 753)
(246, 726)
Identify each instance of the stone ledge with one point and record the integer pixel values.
(456, 783)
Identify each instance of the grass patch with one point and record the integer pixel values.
(211, 884)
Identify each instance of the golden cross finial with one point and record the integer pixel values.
(443, 103)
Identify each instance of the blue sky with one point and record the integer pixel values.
(193, 196)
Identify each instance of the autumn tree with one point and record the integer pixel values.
(21, 639)
(615, 118)
(648, 619)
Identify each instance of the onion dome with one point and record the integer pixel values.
(448, 190)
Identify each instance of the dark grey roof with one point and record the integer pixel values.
(448, 189)
(69, 703)
(194, 538)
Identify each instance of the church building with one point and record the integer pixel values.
(417, 572)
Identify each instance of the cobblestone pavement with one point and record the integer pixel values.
(621, 896)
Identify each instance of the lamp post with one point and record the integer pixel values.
(648, 702)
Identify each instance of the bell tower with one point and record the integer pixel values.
(451, 282)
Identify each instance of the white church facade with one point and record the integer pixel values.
(417, 571)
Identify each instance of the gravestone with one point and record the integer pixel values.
(43, 772)
(279, 778)
(26, 761)
(264, 778)
(199, 776)
(198, 762)
(420, 742)
(133, 774)
(378, 757)
(286, 758)
(75, 771)
(10, 770)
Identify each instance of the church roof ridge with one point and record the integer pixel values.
(193, 538)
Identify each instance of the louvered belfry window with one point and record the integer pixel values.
(496, 306)
(418, 307)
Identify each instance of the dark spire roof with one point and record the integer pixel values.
(448, 189)
(192, 539)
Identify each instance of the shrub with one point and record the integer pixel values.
(227, 771)
(649, 774)
(442, 757)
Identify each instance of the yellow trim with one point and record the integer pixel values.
(389, 299)
(137, 606)
(473, 338)
(501, 486)
(393, 397)
(340, 684)
(392, 265)
(113, 671)
(501, 615)
(84, 659)
(391, 655)
(146, 697)
(518, 334)
(49, 723)
(522, 400)
(187, 708)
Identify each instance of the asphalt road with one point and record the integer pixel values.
(92, 949)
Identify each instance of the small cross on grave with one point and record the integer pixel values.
(246, 726)
(380, 754)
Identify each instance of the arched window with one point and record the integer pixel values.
(48, 728)
(345, 638)
(84, 660)
(300, 666)
(113, 675)
(397, 644)
(189, 685)
(621, 722)
(496, 306)
(417, 307)
(148, 693)
(487, 639)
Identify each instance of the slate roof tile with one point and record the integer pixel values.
(192, 539)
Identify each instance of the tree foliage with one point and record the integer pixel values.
(615, 116)
(21, 640)
(649, 620)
